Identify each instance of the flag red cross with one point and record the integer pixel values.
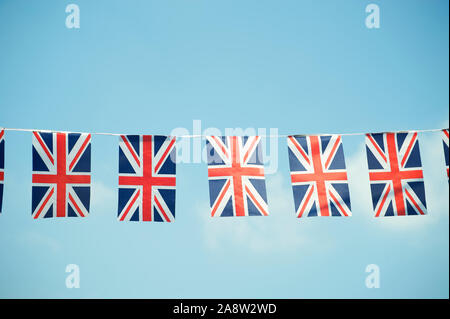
(236, 172)
(61, 178)
(147, 180)
(396, 175)
(319, 176)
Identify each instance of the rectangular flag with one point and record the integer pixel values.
(395, 174)
(237, 184)
(147, 176)
(445, 142)
(61, 175)
(319, 176)
(2, 166)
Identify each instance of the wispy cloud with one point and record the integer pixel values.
(280, 232)
(103, 197)
(40, 240)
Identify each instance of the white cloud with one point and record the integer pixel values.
(40, 240)
(103, 197)
(358, 179)
(280, 232)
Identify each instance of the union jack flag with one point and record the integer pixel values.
(236, 176)
(147, 173)
(61, 175)
(395, 173)
(445, 142)
(318, 176)
(2, 166)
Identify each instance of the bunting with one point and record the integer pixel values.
(395, 173)
(61, 175)
(147, 178)
(445, 142)
(237, 184)
(2, 166)
(318, 176)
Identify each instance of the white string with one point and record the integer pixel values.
(204, 136)
(52, 131)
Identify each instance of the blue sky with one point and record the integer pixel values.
(152, 66)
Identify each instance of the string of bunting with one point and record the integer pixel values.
(204, 136)
(61, 174)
